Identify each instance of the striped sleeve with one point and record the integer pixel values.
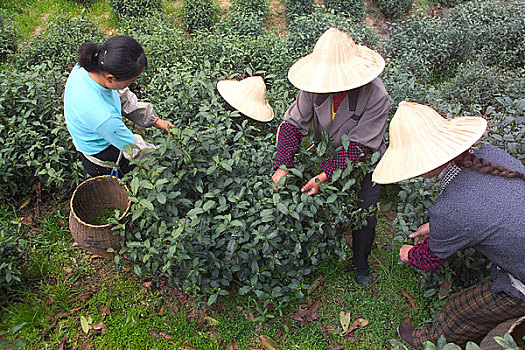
(421, 257)
(288, 141)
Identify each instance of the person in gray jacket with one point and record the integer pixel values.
(340, 93)
(481, 206)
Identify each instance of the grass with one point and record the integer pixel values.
(33, 16)
(62, 285)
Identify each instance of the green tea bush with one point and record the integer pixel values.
(206, 214)
(135, 8)
(241, 23)
(12, 248)
(199, 14)
(8, 36)
(260, 7)
(451, 3)
(295, 8)
(59, 44)
(394, 9)
(355, 9)
(507, 125)
(492, 32)
(35, 147)
(476, 86)
(304, 31)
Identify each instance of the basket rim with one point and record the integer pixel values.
(97, 178)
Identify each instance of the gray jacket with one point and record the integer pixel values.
(362, 115)
(140, 113)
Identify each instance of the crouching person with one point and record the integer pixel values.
(481, 205)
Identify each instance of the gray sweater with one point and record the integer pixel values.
(487, 213)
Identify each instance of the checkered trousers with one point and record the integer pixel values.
(471, 314)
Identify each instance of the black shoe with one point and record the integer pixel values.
(363, 280)
(405, 331)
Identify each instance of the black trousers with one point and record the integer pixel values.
(110, 154)
(363, 239)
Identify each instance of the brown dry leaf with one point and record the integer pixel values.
(444, 286)
(307, 315)
(409, 298)
(360, 322)
(100, 326)
(233, 346)
(62, 343)
(248, 315)
(344, 319)
(38, 188)
(268, 343)
(94, 256)
(87, 294)
(318, 282)
(161, 311)
(364, 322)
(146, 284)
(69, 312)
(104, 311)
(26, 220)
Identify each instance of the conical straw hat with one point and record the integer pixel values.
(248, 96)
(336, 64)
(421, 141)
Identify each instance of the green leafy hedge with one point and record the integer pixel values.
(394, 9)
(35, 147)
(259, 7)
(8, 36)
(205, 213)
(295, 8)
(135, 8)
(304, 31)
(59, 44)
(241, 23)
(200, 14)
(12, 248)
(355, 9)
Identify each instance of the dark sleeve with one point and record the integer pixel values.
(354, 152)
(288, 140)
(421, 257)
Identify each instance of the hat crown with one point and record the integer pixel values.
(414, 123)
(247, 96)
(335, 46)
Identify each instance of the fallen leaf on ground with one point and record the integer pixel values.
(335, 347)
(344, 319)
(318, 282)
(233, 346)
(146, 284)
(211, 321)
(26, 220)
(409, 298)
(268, 343)
(161, 311)
(104, 311)
(94, 256)
(307, 315)
(445, 286)
(62, 343)
(87, 294)
(360, 322)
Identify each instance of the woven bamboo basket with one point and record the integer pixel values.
(89, 198)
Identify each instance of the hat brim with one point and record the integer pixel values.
(229, 90)
(417, 159)
(308, 75)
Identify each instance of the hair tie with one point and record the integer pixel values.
(102, 59)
